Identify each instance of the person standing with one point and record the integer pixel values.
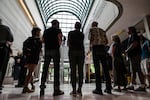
(22, 74)
(145, 58)
(52, 39)
(31, 50)
(88, 62)
(98, 41)
(76, 57)
(17, 65)
(6, 39)
(119, 70)
(133, 52)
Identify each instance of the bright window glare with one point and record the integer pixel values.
(66, 20)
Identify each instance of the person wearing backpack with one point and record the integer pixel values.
(31, 51)
(98, 42)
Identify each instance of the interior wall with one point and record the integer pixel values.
(13, 16)
(133, 12)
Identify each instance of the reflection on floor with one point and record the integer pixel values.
(11, 93)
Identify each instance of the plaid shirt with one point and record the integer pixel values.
(97, 36)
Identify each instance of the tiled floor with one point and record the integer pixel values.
(11, 93)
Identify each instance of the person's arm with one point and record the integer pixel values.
(148, 45)
(43, 40)
(90, 37)
(68, 41)
(10, 37)
(60, 38)
(113, 50)
(106, 40)
(133, 45)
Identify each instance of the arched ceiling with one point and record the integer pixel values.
(79, 8)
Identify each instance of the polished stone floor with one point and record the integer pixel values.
(9, 92)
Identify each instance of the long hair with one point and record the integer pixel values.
(116, 38)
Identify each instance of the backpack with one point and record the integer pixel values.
(31, 46)
(26, 47)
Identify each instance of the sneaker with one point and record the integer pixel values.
(130, 88)
(107, 91)
(124, 89)
(140, 89)
(98, 92)
(73, 93)
(59, 92)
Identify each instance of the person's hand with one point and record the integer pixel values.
(111, 73)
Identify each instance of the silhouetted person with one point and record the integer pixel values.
(22, 74)
(134, 53)
(6, 39)
(31, 50)
(52, 39)
(98, 41)
(119, 70)
(76, 57)
(145, 57)
(17, 66)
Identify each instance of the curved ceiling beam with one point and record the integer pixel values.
(79, 8)
(62, 6)
(65, 9)
(51, 3)
(120, 8)
(65, 4)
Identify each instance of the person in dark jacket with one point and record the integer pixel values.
(52, 39)
(134, 54)
(6, 39)
(76, 57)
(31, 50)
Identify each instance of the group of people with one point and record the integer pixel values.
(137, 52)
(52, 39)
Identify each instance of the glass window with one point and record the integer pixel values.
(66, 20)
(79, 8)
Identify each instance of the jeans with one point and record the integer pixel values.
(4, 57)
(99, 56)
(49, 55)
(135, 62)
(76, 60)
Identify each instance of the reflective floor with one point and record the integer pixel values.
(9, 92)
